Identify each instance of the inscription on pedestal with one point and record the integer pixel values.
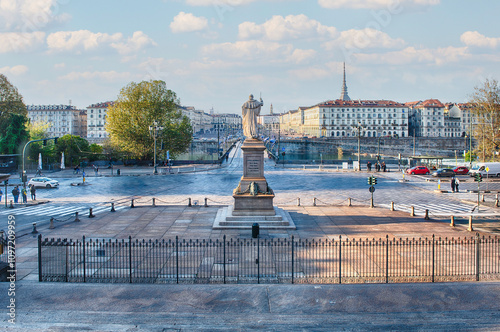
(253, 166)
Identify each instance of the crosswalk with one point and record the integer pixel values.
(58, 210)
(440, 209)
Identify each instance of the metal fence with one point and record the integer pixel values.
(269, 260)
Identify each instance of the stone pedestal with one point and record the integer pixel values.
(253, 198)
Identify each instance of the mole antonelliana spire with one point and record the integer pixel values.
(344, 95)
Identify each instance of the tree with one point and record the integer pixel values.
(13, 118)
(486, 109)
(38, 130)
(137, 107)
(75, 149)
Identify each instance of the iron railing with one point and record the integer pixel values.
(269, 260)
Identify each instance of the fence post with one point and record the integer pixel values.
(452, 224)
(206, 202)
(349, 202)
(177, 256)
(130, 259)
(340, 259)
(314, 201)
(67, 260)
(433, 255)
(224, 264)
(51, 226)
(34, 231)
(113, 207)
(412, 214)
(257, 261)
(298, 201)
(76, 217)
(189, 201)
(84, 259)
(427, 214)
(154, 202)
(132, 204)
(40, 258)
(387, 259)
(91, 215)
(470, 229)
(478, 256)
(392, 206)
(293, 258)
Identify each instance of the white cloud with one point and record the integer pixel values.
(289, 27)
(29, 15)
(84, 40)
(218, 2)
(364, 39)
(16, 70)
(474, 38)
(301, 56)
(20, 41)
(138, 41)
(253, 49)
(101, 75)
(374, 4)
(187, 22)
(411, 55)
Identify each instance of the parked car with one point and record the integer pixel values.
(418, 170)
(43, 182)
(461, 170)
(443, 172)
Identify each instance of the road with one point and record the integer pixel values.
(217, 184)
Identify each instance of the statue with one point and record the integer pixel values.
(250, 110)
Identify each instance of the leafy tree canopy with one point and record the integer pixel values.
(74, 147)
(137, 107)
(486, 109)
(13, 118)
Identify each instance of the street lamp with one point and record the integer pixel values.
(24, 178)
(359, 128)
(154, 129)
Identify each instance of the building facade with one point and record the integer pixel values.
(427, 118)
(63, 119)
(96, 122)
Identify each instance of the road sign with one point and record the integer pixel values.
(371, 189)
(283, 149)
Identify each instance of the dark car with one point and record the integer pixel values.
(461, 170)
(418, 170)
(444, 172)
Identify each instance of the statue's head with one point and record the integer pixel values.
(251, 97)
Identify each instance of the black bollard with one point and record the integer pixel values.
(132, 205)
(90, 213)
(255, 230)
(76, 217)
(34, 231)
(113, 207)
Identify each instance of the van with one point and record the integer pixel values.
(493, 169)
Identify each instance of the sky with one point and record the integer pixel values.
(214, 53)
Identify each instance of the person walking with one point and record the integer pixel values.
(453, 184)
(457, 182)
(33, 193)
(15, 193)
(24, 195)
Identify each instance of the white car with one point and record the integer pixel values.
(43, 182)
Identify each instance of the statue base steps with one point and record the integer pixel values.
(280, 219)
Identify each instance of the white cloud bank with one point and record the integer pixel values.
(29, 15)
(21, 41)
(15, 70)
(187, 22)
(374, 4)
(474, 38)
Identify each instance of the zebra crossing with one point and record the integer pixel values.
(58, 210)
(440, 209)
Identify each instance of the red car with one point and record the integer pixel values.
(418, 170)
(462, 170)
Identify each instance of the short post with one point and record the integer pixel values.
(349, 202)
(496, 202)
(452, 223)
(482, 198)
(314, 201)
(412, 211)
(91, 215)
(371, 203)
(76, 217)
(132, 204)
(154, 202)
(189, 201)
(255, 230)
(34, 231)
(470, 229)
(427, 214)
(392, 206)
(206, 202)
(11, 206)
(51, 226)
(113, 207)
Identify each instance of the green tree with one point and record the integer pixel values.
(13, 118)
(39, 130)
(138, 105)
(486, 110)
(75, 148)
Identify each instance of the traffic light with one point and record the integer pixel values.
(55, 140)
(478, 177)
(372, 180)
(44, 142)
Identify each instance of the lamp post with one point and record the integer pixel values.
(155, 128)
(359, 127)
(23, 174)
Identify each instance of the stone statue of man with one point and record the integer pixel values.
(250, 110)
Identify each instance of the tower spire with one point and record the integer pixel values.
(344, 95)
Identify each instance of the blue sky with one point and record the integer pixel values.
(214, 53)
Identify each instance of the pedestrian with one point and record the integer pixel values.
(369, 166)
(24, 195)
(15, 193)
(453, 184)
(33, 193)
(383, 166)
(456, 184)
